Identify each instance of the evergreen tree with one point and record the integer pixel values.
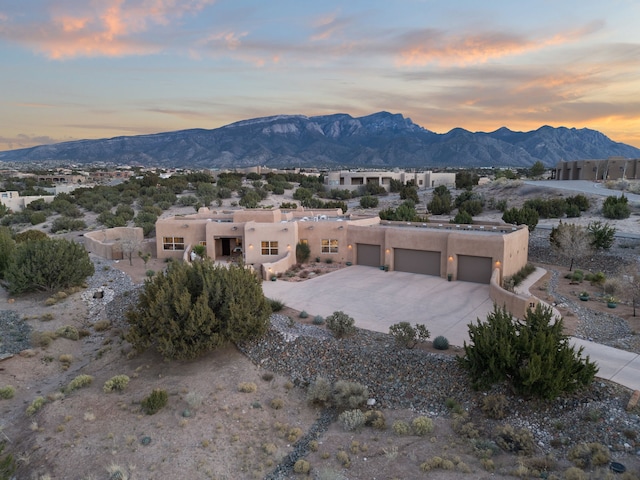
(191, 309)
(532, 354)
(7, 246)
(46, 265)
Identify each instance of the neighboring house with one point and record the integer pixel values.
(353, 180)
(267, 240)
(613, 168)
(14, 202)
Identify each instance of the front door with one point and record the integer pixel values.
(226, 247)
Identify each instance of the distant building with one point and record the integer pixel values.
(613, 168)
(353, 180)
(14, 202)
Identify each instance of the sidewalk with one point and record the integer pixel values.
(616, 365)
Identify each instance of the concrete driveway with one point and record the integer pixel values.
(378, 299)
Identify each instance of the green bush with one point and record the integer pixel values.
(349, 395)
(351, 420)
(36, 405)
(441, 343)
(408, 336)
(421, 426)
(69, 332)
(7, 392)
(318, 320)
(368, 201)
(401, 427)
(276, 304)
(47, 265)
(533, 354)
(116, 383)
(67, 224)
(319, 391)
(340, 324)
(303, 251)
(7, 464)
(79, 382)
(602, 235)
(304, 314)
(521, 216)
(302, 466)
(155, 401)
(191, 309)
(616, 208)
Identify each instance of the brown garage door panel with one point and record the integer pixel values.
(474, 269)
(416, 261)
(368, 254)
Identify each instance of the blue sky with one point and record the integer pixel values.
(74, 69)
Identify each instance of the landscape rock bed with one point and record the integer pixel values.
(14, 333)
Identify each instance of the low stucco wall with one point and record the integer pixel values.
(105, 243)
(516, 304)
(279, 266)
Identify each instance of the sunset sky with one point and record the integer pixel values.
(75, 69)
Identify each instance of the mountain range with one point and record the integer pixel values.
(380, 140)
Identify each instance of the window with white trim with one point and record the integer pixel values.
(173, 243)
(330, 245)
(269, 247)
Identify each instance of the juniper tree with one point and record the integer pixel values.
(191, 309)
(532, 354)
(46, 265)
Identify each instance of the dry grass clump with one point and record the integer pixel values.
(270, 448)
(518, 441)
(375, 419)
(116, 384)
(7, 392)
(343, 458)
(586, 455)
(46, 317)
(277, 403)
(302, 466)
(422, 426)
(102, 325)
(319, 392)
(42, 339)
(65, 360)
(494, 406)
(400, 427)
(351, 420)
(294, 434)
(247, 387)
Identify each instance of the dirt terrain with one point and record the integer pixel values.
(226, 418)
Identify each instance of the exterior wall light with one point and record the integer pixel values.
(388, 251)
(251, 245)
(349, 246)
(288, 247)
(451, 258)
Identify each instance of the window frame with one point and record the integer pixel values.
(269, 247)
(170, 244)
(329, 245)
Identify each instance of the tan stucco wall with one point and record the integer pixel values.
(104, 243)
(512, 302)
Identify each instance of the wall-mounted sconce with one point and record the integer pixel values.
(234, 228)
(288, 247)
(497, 263)
(341, 227)
(451, 258)
(349, 246)
(388, 251)
(285, 229)
(251, 245)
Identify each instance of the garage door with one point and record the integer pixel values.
(416, 261)
(474, 269)
(368, 254)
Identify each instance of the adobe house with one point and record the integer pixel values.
(267, 240)
(613, 168)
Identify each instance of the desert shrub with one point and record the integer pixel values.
(340, 324)
(47, 265)
(514, 441)
(65, 359)
(116, 384)
(42, 339)
(7, 392)
(304, 314)
(301, 466)
(191, 309)
(7, 464)
(408, 336)
(318, 320)
(441, 343)
(277, 403)
(247, 387)
(375, 419)
(401, 427)
(276, 304)
(303, 251)
(574, 473)
(155, 401)
(47, 317)
(616, 208)
(494, 406)
(587, 455)
(463, 426)
(36, 405)
(150, 273)
(349, 394)
(351, 420)
(294, 434)
(102, 325)
(533, 354)
(319, 391)
(68, 331)
(422, 426)
(67, 224)
(602, 235)
(79, 382)
(343, 458)
(437, 463)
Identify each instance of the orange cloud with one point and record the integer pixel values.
(101, 27)
(434, 47)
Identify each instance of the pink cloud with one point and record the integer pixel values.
(100, 27)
